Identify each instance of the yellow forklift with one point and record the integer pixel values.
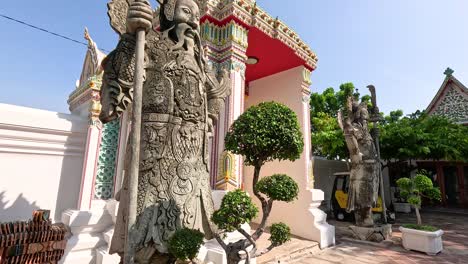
(339, 201)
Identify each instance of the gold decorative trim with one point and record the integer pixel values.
(226, 171)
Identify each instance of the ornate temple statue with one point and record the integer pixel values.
(181, 100)
(365, 165)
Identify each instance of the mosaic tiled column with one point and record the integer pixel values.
(99, 166)
(106, 169)
(226, 47)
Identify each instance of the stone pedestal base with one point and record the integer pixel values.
(91, 232)
(373, 234)
(212, 252)
(321, 231)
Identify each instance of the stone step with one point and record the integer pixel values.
(103, 256)
(84, 242)
(290, 252)
(108, 235)
(79, 257)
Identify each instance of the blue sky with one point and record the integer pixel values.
(400, 46)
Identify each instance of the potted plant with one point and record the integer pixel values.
(400, 205)
(420, 237)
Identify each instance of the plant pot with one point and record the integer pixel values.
(424, 241)
(402, 207)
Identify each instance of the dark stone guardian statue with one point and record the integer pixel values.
(181, 100)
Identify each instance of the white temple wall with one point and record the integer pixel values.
(286, 87)
(41, 158)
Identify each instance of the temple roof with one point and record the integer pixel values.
(451, 99)
(276, 45)
(250, 14)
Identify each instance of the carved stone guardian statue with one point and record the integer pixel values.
(181, 100)
(365, 165)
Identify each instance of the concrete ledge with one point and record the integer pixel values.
(84, 242)
(87, 221)
(79, 257)
(103, 256)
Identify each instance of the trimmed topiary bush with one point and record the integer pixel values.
(414, 189)
(185, 243)
(236, 209)
(266, 132)
(279, 187)
(280, 234)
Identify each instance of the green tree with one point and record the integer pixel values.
(402, 138)
(327, 137)
(266, 132)
(445, 139)
(419, 136)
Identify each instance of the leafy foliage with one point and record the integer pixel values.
(414, 189)
(185, 243)
(266, 132)
(419, 186)
(280, 234)
(421, 227)
(416, 136)
(405, 184)
(424, 137)
(330, 102)
(236, 209)
(422, 183)
(327, 137)
(279, 187)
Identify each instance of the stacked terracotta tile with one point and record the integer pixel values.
(32, 242)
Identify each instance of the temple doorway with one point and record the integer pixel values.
(452, 190)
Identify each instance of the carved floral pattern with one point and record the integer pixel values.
(454, 105)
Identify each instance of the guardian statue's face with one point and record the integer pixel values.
(183, 26)
(187, 12)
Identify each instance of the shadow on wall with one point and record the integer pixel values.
(21, 207)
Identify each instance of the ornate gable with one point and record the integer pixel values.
(451, 100)
(93, 59)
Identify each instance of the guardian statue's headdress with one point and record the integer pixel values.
(169, 8)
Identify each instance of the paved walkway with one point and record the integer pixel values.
(351, 251)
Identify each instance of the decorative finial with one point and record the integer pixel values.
(87, 36)
(448, 72)
(276, 23)
(254, 9)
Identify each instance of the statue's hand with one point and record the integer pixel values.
(140, 16)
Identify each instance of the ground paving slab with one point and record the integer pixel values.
(350, 251)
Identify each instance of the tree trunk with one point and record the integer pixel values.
(255, 181)
(266, 205)
(418, 216)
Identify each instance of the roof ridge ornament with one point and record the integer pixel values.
(449, 72)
